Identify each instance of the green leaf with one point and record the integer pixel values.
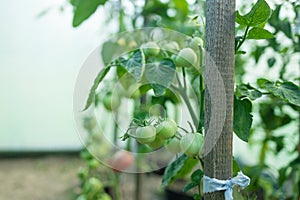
(189, 186)
(83, 9)
(259, 33)
(240, 52)
(124, 77)
(271, 119)
(178, 168)
(241, 19)
(182, 6)
(271, 61)
(287, 91)
(134, 64)
(197, 196)
(197, 176)
(172, 170)
(235, 166)
(196, 179)
(280, 25)
(160, 75)
(187, 168)
(259, 14)
(246, 90)
(96, 83)
(242, 119)
(108, 50)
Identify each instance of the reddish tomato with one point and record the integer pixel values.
(121, 161)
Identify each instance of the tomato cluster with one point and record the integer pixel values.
(165, 133)
(185, 57)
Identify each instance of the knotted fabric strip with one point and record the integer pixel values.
(213, 184)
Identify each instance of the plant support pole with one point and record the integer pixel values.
(220, 26)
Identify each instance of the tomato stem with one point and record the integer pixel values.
(191, 127)
(184, 78)
(185, 98)
(243, 39)
(182, 129)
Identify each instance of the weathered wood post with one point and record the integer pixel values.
(220, 25)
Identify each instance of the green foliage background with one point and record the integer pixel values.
(268, 41)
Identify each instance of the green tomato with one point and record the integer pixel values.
(89, 123)
(196, 42)
(133, 91)
(173, 145)
(111, 102)
(104, 196)
(146, 134)
(81, 197)
(150, 49)
(173, 57)
(93, 185)
(85, 154)
(93, 164)
(171, 46)
(186, 57)
(157, 143)
(191, 144)
(166, 129)
(83, 173)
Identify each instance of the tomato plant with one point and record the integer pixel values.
(164, 70)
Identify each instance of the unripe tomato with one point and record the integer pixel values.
(191, 144)
(104, 196)
(93, 163)
(133, 91)
(157, 143)
(83, 173)
(150, 49)
(85, 154)
(173, 145)
(93, 185)
(186, 57)
(81, 197)
(171, 46)
(196, 42)
(166, 129)
(121, 160)
(173, 57)
(146, 134)
(111, 102)
(89, 123)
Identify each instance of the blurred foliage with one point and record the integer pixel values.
(276, 100)
(94, 177)
(279, 107)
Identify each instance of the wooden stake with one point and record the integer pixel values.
(220, 27)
